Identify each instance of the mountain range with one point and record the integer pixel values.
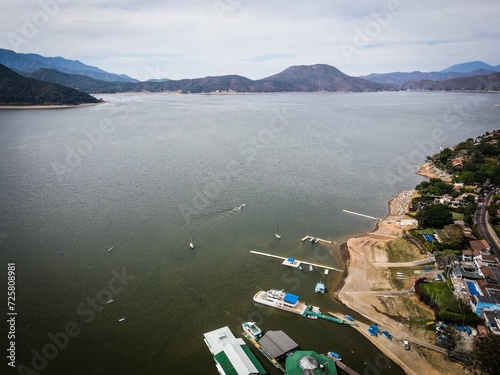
(30, 62)
(302, 78)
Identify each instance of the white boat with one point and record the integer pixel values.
(277, 231)
(314, 240)
(252, 329)
(111, 248)
(281, 300)
(191, 244)
(243, 205)
(109, 301)
(310, 267)
(320, 288)
(121, 319)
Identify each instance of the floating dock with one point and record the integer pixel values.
(309, 311)
(263, 351)
(319, 240)
(296, 260)
(356, 213)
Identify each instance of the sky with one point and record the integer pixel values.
(152, 39)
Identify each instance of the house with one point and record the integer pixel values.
(492, 319)
(485, 260)
(479, 303)
(457, 162)
(466, 270)
(481, 246)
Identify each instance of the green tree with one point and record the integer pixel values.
(485, 356)
(434, 216)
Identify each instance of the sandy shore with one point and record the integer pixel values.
(49, 106)
(429, 170)
(367, 289)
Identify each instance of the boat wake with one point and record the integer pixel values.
(217, 217)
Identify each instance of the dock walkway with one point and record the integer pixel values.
(299, 261)
(319, 239)
(263, 351)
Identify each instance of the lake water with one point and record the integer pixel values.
(145, 173)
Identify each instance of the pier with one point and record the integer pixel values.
(319, 240)
(326, 317)
(299, 261)
(356, 213)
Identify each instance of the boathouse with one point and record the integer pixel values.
(232, 356)
(277, 343)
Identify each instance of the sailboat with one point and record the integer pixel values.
(277, 235)
(191, 245)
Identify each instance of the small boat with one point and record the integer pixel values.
(316, 309)
(111, 248)
(252, 329)
(372, 332)
(191, 244)
(312, 316)
(348, 317)
(277, 231)
(310, 267)
(320, 288)
(243, 205)
(335, 356)
(387, 335)
(300, 268)
(110, 300)
(314, 240)
(121, 319)
(62, 252)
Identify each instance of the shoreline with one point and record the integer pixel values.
(50, 106)
(362, 288)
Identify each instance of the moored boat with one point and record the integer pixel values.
(252, 329)
(335, 356)
(320, 288)
(281, 300)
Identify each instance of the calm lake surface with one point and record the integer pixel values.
(145, 173)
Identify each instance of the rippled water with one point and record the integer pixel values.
(146, 172)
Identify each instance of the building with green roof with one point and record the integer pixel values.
(232, 356)
(310, 363)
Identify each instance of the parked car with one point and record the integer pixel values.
(406, 344)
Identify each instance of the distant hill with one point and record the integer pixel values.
(321, 77)
(397, 79)
(489, 82)
(294, 79)
(81, 82)
(471, 67)
(16, 89)
(30, 62)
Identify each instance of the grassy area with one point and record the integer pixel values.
(402, 251)
(457, 216)
(441, 293)
(424, 231)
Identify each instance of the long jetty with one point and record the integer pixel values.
(300, 261)
(319, 239)
(356, 213)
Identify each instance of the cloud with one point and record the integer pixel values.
(195, 38)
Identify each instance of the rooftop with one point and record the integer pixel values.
(277, 343)
(310, 363)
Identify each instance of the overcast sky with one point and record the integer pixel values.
(195, 38)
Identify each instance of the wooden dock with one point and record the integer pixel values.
(263, 351)
(300, 261)
(319, 240)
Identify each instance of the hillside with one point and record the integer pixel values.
(489, 82)
(321, 77)
(397, 79)
(30, 62)
(471, 67)
(16, 89)
(294, 79)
